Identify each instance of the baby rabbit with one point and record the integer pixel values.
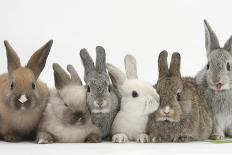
(138, 100)
(23, 97)
(102, 99)
(66, 118)
(183, 114)
(215, 81)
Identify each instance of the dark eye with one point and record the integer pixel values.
(109, 89)
(88, 89)
(228, 66)
(178, 96)
(33, 85)
(134, 94)
(207, 66)
(12, 86)
(65, 104)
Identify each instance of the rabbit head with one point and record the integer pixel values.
(218, 69)
(72, 107)
(23, 91)
(174, 100)
(97, 80)
(137, 97)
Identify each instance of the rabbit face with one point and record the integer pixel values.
(218, 69)
(138, 97)
(98, 94)
(21, 93)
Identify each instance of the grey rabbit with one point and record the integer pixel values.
(183, 114)
(102, 98)
(215, 81)
(66, 118)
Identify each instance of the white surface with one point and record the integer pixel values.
(140, 27)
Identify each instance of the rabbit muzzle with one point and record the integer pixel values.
(166, 114)
(22, 102)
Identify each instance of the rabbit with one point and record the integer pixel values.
(138, 100)
(215, 81)
(102, 99)
(66, 118)
(23, 97)
(183, 114)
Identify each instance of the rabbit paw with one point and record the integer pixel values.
(45, 138)
(93, 138)
(216, 137)
(12, 139)
(143, 138)
(120, 138)
(157, 139)
(181, 139)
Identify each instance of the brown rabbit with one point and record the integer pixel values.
(183, 114)
(23, 97)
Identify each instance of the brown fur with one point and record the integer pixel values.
(16, 123)
(190, 118)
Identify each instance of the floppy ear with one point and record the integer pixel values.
(100, 59)
(116, 75)
(130, 67)
(60, 76)
(74, 76)
(38, 60)
(13, 60)
(163, 64)
(211, 40)
(228, 44)
(175, 65)
(87, 62)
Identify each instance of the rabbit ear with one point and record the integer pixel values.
(13, 60)
(228, 44)
(211, 40)
(175, 65)
(38, 60)
(130, 67)
(60, 76)
(116, 75)
(100, 59)
(87, 61)
(163, 64)
(74, 76)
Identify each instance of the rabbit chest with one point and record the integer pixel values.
(131, 125)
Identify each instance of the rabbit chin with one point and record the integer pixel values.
(166, 119)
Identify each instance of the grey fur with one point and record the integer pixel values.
(187, 116)
(219, 100)
(102, 99)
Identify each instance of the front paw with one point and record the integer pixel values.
(143, 138)
(12, 139)
(93, 138)
(216, 137)
(120, 138)
(45, 138)
(182, 139)
(157, 139)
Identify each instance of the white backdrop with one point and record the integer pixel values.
(140, 27)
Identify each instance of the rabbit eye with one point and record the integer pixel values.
(228, 66)
(12, 86)
(178, 96)
(207, 66)
(33, 85)
(88, 89)
(134, 94)
(65, 104)
(109, 89)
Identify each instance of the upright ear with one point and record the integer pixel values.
(60, 76)
(130, 67)
(100, 59)
(13, 60)
(116, 75)
(175, 65)
(211, 40)
(74, 76)
(228, 44)
(163, 64)
(38, 60)
(87, 62)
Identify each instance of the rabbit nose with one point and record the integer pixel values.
(78, 115)
(23, 98)
(166, 110)
(219, 85)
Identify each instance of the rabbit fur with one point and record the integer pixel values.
(138, 100)
(215, 81)
(66, 118)
(183, 114)
(23, 97)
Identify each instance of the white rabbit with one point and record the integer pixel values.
(138, 100)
